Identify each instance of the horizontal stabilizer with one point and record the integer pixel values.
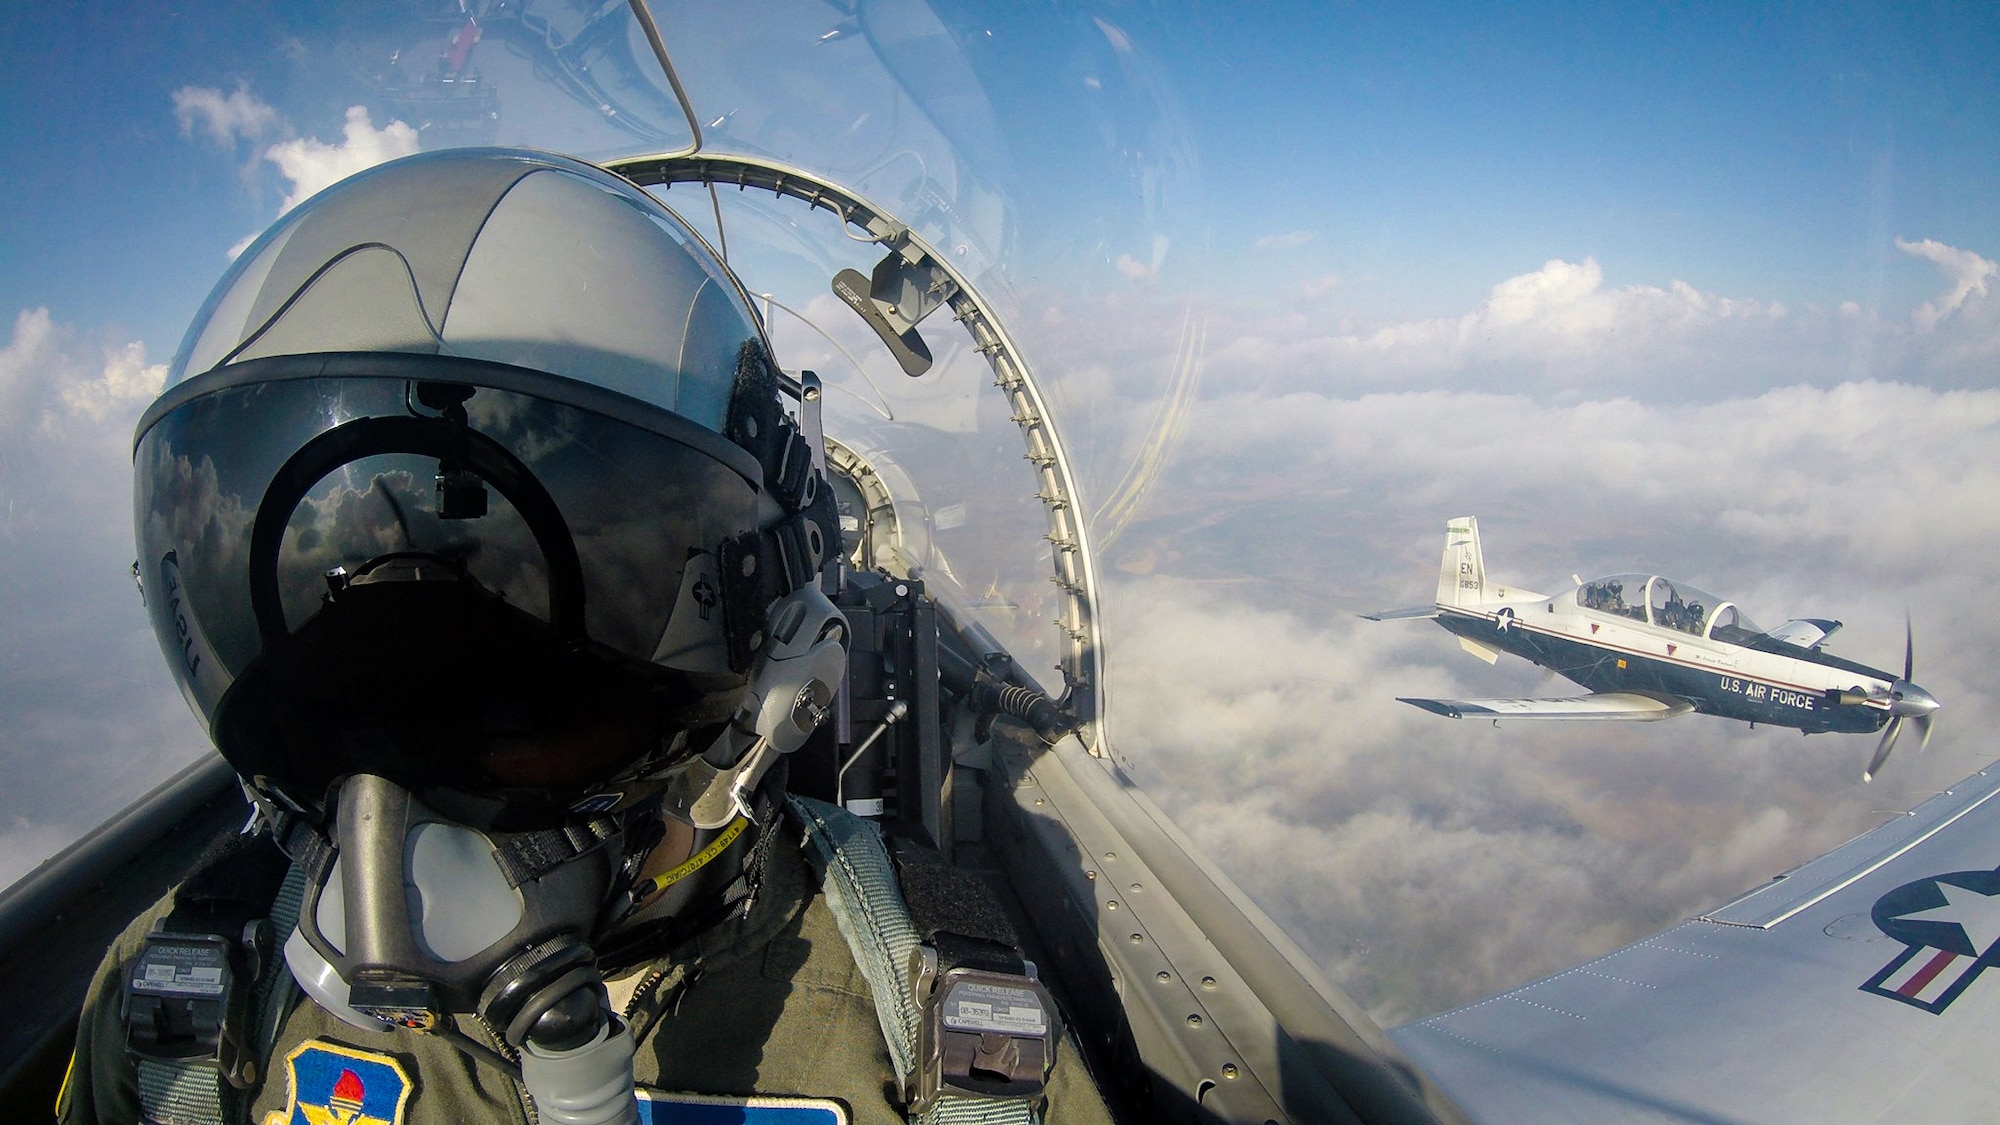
(1402, 614)
(1627, 705)
(1806, 632)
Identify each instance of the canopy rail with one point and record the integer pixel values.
(1074, 569)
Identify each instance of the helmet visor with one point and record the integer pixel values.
(432, 562)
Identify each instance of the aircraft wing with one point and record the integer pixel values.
(1627, 705)
(1401, 614)
(1850, 989)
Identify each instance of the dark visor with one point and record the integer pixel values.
(409, 549)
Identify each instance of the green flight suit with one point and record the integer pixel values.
(769, 1003)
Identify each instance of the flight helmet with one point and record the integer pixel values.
(473, 474)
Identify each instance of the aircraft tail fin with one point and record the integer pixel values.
(1462, 579)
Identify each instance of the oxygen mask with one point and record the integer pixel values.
(413, 918)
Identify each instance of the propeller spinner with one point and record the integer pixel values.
(1906, 701)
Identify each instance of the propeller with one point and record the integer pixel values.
(1906, 701)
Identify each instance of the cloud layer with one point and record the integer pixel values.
(91, 718)
(1564, 331)
(1428, 862)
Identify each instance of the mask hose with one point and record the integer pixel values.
(576, 1056)
(589, 1084)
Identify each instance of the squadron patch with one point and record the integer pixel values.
(334, 1085)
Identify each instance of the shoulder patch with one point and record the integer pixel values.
(334, 1085)
(657, 1107)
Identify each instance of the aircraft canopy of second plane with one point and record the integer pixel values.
(1668, 604)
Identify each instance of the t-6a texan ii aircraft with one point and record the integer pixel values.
(1651, 648)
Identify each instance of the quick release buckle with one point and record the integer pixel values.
(982, 1034)
(185, 1001)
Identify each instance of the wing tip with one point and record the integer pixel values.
(1434, 706)
(1411, 613)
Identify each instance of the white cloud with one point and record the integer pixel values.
(1967, 272)
(225, 117)
(42, 388)
(1132, 269)
(1564, 307)
(83, 693)
(24, 365)
(313, 165)
(309, 164)
(1557, 328)
(1143, 272)
(1563, 330)
(127, 380)
(1285, 241)
(1427, 862)
(1883, 478)
(1318, 288)
(1120, 42)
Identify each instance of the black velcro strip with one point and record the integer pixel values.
(944, 899)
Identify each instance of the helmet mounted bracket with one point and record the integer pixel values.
(804, 662)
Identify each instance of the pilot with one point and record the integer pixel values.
(473, 527)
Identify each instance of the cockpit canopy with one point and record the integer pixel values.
(1668, 604)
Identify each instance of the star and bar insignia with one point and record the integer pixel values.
(1950, 929)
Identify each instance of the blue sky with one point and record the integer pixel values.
(1706, 289)
(1755, 150)
(109, 217)
(1768, 152)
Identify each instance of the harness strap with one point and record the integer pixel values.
(188, 1092)
(531, 855)
(276, 990)
(860, 886)
(179, 1093)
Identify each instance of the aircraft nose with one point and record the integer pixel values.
(1907, 699)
